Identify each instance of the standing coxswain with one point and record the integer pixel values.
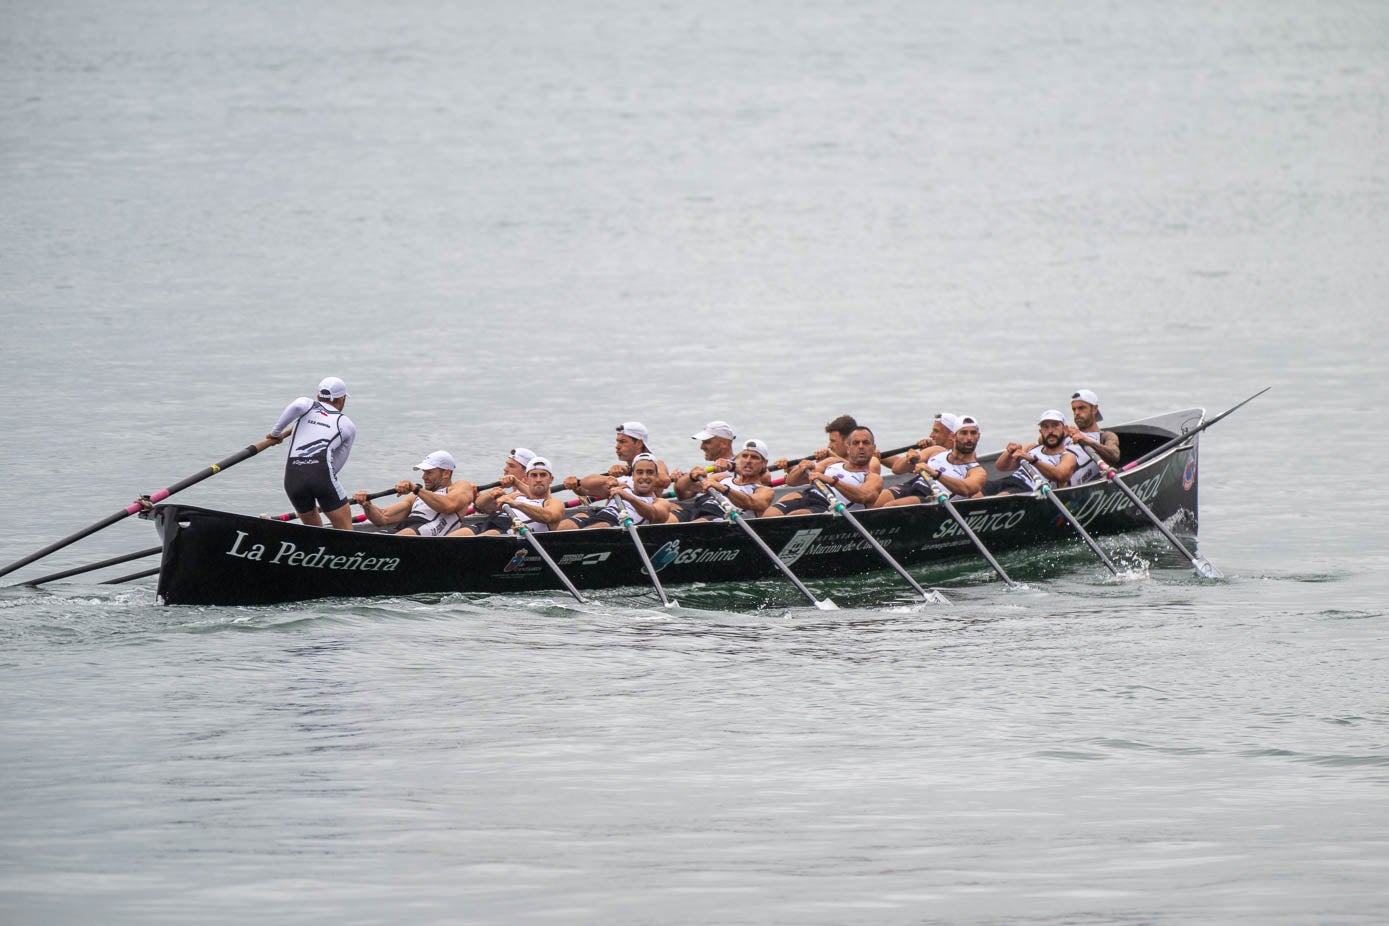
(318, 451)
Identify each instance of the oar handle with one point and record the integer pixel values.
(145, 502)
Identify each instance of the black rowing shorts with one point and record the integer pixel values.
(310, 487)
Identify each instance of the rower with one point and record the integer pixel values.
(1085, 409)
(431, 509)
(635, 494)
(744, 487)
(631, 442)
(512, 479)
(531, 504)
(853, 481)
(716, 443)
(942, 437)
(837, 432)
(318, 451)
(1052, 455)
(956, 469)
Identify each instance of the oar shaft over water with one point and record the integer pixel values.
(1045, 489)
(137, 506)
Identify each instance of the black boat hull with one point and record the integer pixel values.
(218, 558)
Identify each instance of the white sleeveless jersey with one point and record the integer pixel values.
(1052, 459)
(941, 463)
(747, 488)
(1087, 470)
(845, 475)
(519, 511)
(322, 436)
(622, 509)
(436, 523)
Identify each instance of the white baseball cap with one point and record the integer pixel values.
(1089, 398)
(757, 447)
(645, 456)
(967, 419)
(715, 429)
(633, 429)
(439, 459)
(538, 463)
(522, 455)
(332, 388)
(1052, 414)
(951, 422)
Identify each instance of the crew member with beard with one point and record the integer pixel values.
(716, 442)
(1085, 409)
(956, 469)
(853, 481)
(630, 443)
(744, 487)
(513, 479)
(942, 438)
(636, 493)
(1054, 457)
(430, 510)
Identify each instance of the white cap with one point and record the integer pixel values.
(645, 456)
(332, 388)
(522, 455)
(967, 419)
(1089, 398)
(715, 429)
(1051, 414)
(951, 422)
(633, 429)
(757, 447)
(439, 459)
(538, 463)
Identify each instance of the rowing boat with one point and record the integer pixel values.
(220, 558)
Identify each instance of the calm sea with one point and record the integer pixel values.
(521, 223)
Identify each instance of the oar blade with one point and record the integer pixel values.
(827, 605)
(1205, 568)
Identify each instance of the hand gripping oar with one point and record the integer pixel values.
(1044, 489)
(143, 504)
(1203, 566)
(629, 525)
(519, 525)
(1187, 435)
(115, 560)
(734, 516)
(943, 496)
(292, 515)
(839, 509)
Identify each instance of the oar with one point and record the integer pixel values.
(1187, 435)
(731, 512)
(115, 560)
(292, 515)
(1044, 488)
(932, 596)
(132, 577)
(629, 525)
(529, 536)
(943, 496)
(143, 503)
(880, 454)
(1203, 566)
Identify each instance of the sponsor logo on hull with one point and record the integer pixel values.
(289, 554)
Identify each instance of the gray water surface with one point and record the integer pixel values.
(519, 224)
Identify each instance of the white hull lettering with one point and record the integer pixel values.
(289, 554)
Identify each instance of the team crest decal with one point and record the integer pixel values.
(664, 556)
(800, 542)
(517, 561)
(1189, 472)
